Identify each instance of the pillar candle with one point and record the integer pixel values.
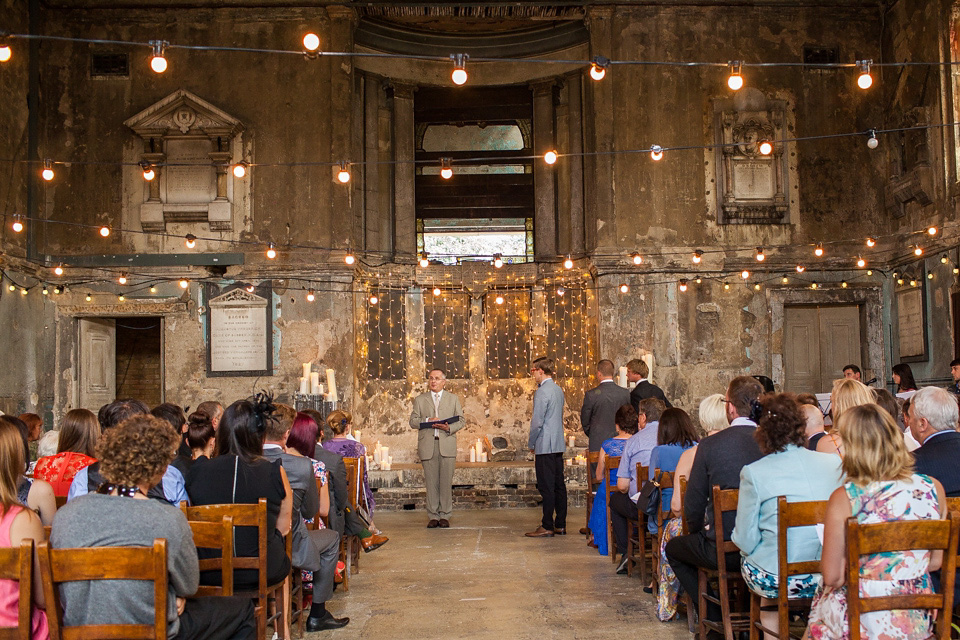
(306, 370)
(572, 440)
(473, 454)
(483, 457)
(356, 434)
(314, 381)
(384, 453)
(648, 358)
(569, 462)
(332, 386)
(304, 386)
(623, 377)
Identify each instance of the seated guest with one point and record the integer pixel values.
(955, 374)
(886, 401)
(626, 425)
(933, 422)
(713, 418)
(133, 457)
(79, 432)
(880, 487)
(239, 474)
(35, 494)
(718, 461)
(34, 431)
(213, 409)
(904, 424)
(852, 371)
(788, 468)
(16, 525)
(903, 378)
(676, 435)
(314, 550)
(636, 450)
(846, 394)
(200, 438)
(173, 413)
(341, 424)
(49, 441)
(88, 479)
(813, 425)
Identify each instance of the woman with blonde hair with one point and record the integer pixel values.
(17, 524)
(880, 487)
(343, 444)
(847, 393)
(79, 432)
(713, 418)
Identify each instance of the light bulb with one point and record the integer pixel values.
(869, 272)
(343, 175)
(550, 157)
(818, 251)
(499, 300)
(560, 291)
(157, 62)
(861, 262)
(760, 256)
(105, 231)
(122, 279)
(785, 280)
(765, 147)
(148, 172)
(349, 259)
(913, 283)
(918, 251)
(683, 285)
(437, 291)
(624, 288)
(956, 270)
(697, 256)
(374, 299)
(872, 141)
(250, 288)
(597, 72)
(756, 287)
(89, 297)
(801, 268)
(153, 289)
(459, 75)
(24, 291)
(121, 298)
(637, 258)
(424, 262)
(871, 242)
(735, 79)
(698, 280)
(311, 42)
(12, 288)
(190, 240)
(271, 252)
(844, 284)
(930, 276)
(446, 171)
(656, 153)
(5, 53)
(47, 173)
(744, 274)
(58, 290)
(726, 286)
(864, 80)
(497, 261)
(932, 231)
(311, 296)
(17, 225)
(568, 263)
(943, 259)
(240, 169)
(58, 270)
(184, 283)
(813, 285)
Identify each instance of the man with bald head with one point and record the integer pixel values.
(814, 430)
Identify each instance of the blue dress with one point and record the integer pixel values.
(598, 514)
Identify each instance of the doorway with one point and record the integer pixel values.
(818, 341)
(121, 358)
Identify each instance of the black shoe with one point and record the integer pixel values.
(622, 567)
(326, 623)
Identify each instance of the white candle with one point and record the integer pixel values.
(314, 381)
(482, 457)
(569, 462)
(306, 369)
(356, 434)
(649, 360)
(384, 453)
(572, 440)
(376, 453)
(331, 386)
(304, 386)
(623, 377)
(473, 454)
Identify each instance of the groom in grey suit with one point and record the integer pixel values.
(546, 442)
(600, 405)
(437, 447)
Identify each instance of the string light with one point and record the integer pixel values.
(956, 270)
(637, 259)
(861, 262)
(58, 290)
(656, 153)
(446, 171)
(374, 299)
(698, 280)
(311, 296)
(148, 172)
(240, 169)
(818, 251)
(683, 284)
(726, 286)
(311, 42)
(744, 274)
(913, 283)
(437, 292)
(869, 272)
(561, 291)
(801, 268)
(47, 173)
(765, 147)
(250, 288)
(756, 287)
(785, 280)
(760, 256)
(459, 75)
(844, 284)
(271, 251)
(5, 52)
(122, 279)
(121, 298)
(598, 68)
(943, 259)
(872, 141)
(17, 225)
(190, 240)
(105, 231)
(550, 157)
(424, 262)
(568, 263)
(12, 288)
(153, 289)
(184, 283)
(871, 242)
(24, 291)
(735, 79)
(499, 300)
(344, 174)
(497, 261)
(58, 269)
(932, 231)
(89, 298)
(158, 62)
(813, 285)
(930, 275)
(864, 80)
(918, 251)
(349, 259)
(624, 288)
(697, 256)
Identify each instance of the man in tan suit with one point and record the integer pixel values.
(437, 446)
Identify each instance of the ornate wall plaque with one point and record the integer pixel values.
(239, 333)
(911, 319)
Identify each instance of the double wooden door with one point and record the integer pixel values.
(818, 341)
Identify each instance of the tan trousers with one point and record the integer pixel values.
(438, 477)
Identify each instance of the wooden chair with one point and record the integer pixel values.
(610, 487)
(593, 459)
(60, 501)
(730, 583)
(350, 545)
(687, 597)
(217, 536)
(789, 515)
(253, 515)
(665, 480)
(868, 539)
(105, 563)
(315, 524)
(296, 587)
(16, 563)
(637, 535)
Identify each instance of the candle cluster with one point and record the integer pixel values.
(477, 452)
(310, 383)
(382, 457)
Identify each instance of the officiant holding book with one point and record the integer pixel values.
(437, 415)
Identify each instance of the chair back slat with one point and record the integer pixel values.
(665, 480)
(724, 500)
(353, 480)
(105, 563)
(216, 536)
(16, 563)
(683, 495)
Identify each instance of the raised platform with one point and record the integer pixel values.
(476, 485)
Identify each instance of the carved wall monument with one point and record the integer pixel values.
(190, 144)
(240, 336)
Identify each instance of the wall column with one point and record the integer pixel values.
(343, 205)
(544, 182)
(404, 174)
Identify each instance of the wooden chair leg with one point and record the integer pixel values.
(725, 605)
(642, 548)
(286, 606)
(691, 616)
(702, 604)
(754, 616)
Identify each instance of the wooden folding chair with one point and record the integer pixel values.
(315, 524)
(253, 515)
(730, 583)
(216, 536)
(593, 459)
(687, 597)
(610, 486)
(869, 539)
(665, 480)
(789, 515)
(16, 563)
(637, 535)
(350, 545)
(105, 563)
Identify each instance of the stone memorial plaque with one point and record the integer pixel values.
(911, 324)
(752, 180)
(239, 333)
(189, 184)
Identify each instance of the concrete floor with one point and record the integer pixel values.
(481, 578)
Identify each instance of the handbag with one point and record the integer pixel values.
(648, 502)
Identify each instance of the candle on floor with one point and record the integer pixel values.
(568, 462)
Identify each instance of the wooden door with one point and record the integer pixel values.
(98, 362)
(817, 343)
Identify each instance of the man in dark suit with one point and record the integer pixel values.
(718, 461)
(932, 420)
(600, 406)
(637, 371)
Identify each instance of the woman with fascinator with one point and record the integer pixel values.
(238, 473)
(343, 444)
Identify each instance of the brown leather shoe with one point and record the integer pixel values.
(584, 531)
(540, 532)
(444, 523)
(373, 542)
(433, 524)
(560, 531)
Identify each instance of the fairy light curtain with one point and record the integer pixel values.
(571, 331)
(386, 337)
(507, 330)
(446, 333)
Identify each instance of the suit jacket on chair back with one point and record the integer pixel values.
(546, 425)
(599, 412)
(422, 410)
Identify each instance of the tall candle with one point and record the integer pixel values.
(384, 453)
(314, 381)
(473, 454)
(306, 369)
(356, 434)
(623, 377)
(649, 360)
(304, 386)
(331, 386)
(572, 440)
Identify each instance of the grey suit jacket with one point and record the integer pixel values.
(306, 503)
(599, 412)
(422, 409)
(337, 484)
(546, 425)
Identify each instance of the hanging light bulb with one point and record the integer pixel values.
(153, 289)
(5, 52)
(624, 288)
(148, 172)
(184, 283)
(89, 297)
(58, 270)
(871, 241)
(12, 288)
(311, 42)
(349, 259)
(437, 291)
(930, 275)
(861, 262)
(446, 171)
(956, 270)
(17, 225)
(637, 258)
(190, 240)
(813, 285)
(765, 147)
(497, 261)
(343, 175)
(756, 287)
(374, 299)
(900, 281)
(726, 286)
(121, 298)
(683, 285)
(656, 153)
(872, 141)
(271, 251)
(122, 279)
(499, 300)
(250, 288)
(568, 263)
(801, 268)
(24, 291)
(424, 262)
(561, 291)
(864, 80)
(744, 274)
(818, 251)
(58, 290)
(158, 62)
(932, 231)
(105, 231)
(697, 256)
(598, 68)
(47, 173)
(550, 157)
(785, 280)
(311, 296)
(869, 272)
(735, 79)
(760, 256)
(240, 169)
(45, 291)
(918, 251)
(459, 75)
(943, 259)
(913, 283)
(698, 280)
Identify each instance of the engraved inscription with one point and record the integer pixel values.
(910, 321)
(238, 333)
(753, 181)
(190, 176)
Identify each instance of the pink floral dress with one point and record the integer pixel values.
(902, 572)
